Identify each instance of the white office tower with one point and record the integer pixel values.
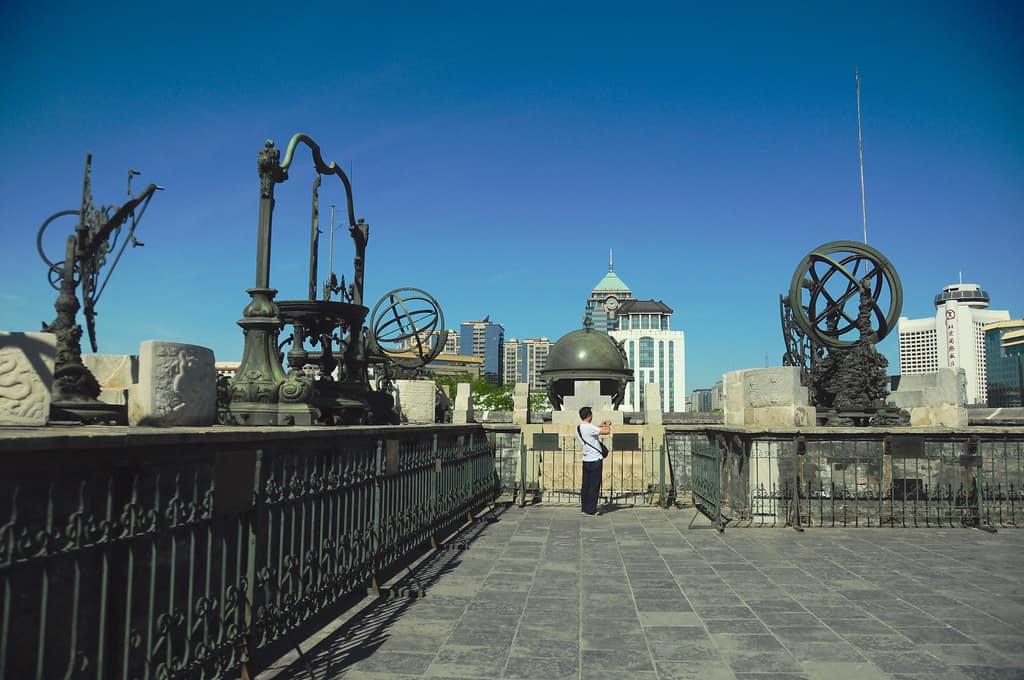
(655, 352)
(953, 338)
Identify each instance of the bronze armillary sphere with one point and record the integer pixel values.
(836, 286)
(402, 324)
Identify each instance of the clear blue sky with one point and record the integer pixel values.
(500, 149)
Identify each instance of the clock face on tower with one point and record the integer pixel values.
(611, 303)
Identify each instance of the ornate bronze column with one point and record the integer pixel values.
(254, 390)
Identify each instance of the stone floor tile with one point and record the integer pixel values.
(663, 650)
(468, 662)
(673, 670)
(910, 661)
(762, 662)
(671, 619)
(530, 668)
(730, 643)
(716, 611)
(990, 673)
(843, 670)
(624, 642)
(824, 651)
(606, 660)
(393, 662)
(736, 626)
(933, 634)
(546, 648)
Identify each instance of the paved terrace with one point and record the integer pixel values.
(546, 593)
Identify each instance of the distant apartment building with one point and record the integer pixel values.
(700, 401)
(524, 360)
(1004, 374)
(606, 298)
(484, 339)
(953, 338)
(655, 352)
(430, 338)
(510, 363)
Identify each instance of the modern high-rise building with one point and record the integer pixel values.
(524, 360)
(484, 339)
(656, 353)
(602, 307)
(953, 338)
(1005, 376)
(511, 357)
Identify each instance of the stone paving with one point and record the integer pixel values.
(547, 593)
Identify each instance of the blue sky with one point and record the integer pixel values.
(499, 151)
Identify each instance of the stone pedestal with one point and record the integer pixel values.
(652, 404)
(767, 397)
(116, 373)
(177, 386)
(26, 377)
(463, 411)
(586, 393)
(933, 399)
(415, 400)
(521, 404)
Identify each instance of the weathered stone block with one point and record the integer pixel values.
(463, 411)
(26, 377)
(521, 404)
(116, 373)
(652, 404)
(767, 397)
(416, 400)
(177, 385)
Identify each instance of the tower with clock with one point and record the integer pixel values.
(606, 299)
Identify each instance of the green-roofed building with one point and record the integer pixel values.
(606, 298)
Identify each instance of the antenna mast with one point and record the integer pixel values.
(860, 145)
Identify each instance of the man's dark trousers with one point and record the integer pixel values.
(592, 472)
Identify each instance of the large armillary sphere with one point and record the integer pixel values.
(407, 328)
(836, 285)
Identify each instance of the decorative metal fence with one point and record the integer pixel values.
(163, 556)
(860, 479)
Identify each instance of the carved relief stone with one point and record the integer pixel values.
(177, 385)
(416, 400)
(26, 377)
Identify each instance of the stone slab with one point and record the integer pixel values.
(463, 411)
(116, 373)
(26, 377)
(652, 404)
(415, 400)
(177, 386)
(521, 404)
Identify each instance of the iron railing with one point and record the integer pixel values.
(868, 478)
(554, 474)
(195, 556)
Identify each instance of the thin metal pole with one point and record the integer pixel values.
(860, 146)
(330, 252)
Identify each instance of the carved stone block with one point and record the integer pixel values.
(586, 393)
(652, 404)
(521, 404)
(177, 386)
(26, 377)
(415, 400)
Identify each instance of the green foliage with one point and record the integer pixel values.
(539, 402)
(486, 397)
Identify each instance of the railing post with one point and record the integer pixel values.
(797, 520)
(433, 485)
(979, 492)
(522, 472)
(255, 522)
(661, 475)
(376, 512)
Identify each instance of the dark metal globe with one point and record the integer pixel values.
(586, 354)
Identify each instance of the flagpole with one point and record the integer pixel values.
(860, 145)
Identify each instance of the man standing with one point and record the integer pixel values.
(594, 452)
